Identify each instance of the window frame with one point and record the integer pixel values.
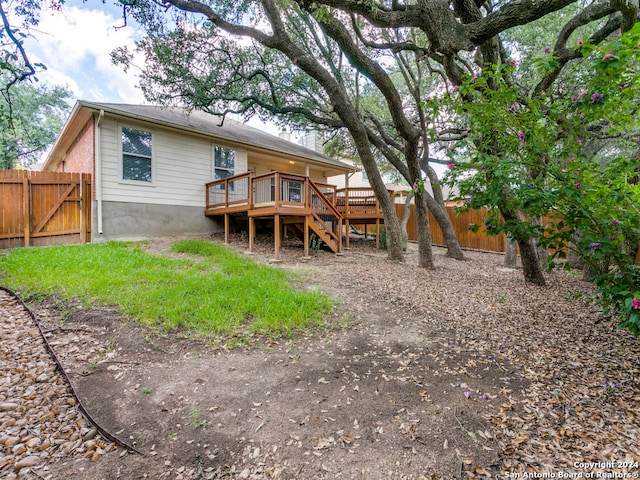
(122, 153)
(216, 168)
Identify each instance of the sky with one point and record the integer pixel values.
(75, 44)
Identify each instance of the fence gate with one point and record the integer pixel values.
(44, 208)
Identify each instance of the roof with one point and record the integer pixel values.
(192, 122)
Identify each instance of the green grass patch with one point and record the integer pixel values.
(212, 291)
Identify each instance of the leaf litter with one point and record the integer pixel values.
(463, 372)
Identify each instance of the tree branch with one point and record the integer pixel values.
(30, 70)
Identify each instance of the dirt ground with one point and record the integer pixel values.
(422, 375)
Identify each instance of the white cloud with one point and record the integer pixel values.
(75, 45)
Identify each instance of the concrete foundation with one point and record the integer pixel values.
(133, 221)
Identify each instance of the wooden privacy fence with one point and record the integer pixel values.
(44, 208)
(467, 239)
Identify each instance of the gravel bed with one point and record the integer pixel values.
(39, 419)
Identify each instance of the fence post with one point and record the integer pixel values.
(26, 203)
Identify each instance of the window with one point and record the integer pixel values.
(136, 155)
(224, 163)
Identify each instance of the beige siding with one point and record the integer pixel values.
(181, 165)
(260, 169)
(355, 180)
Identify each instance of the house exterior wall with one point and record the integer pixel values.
(355, 180)
(173, 203)
(181, 165)
(80, 156)
(262, 168)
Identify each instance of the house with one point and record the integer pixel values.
(163, 171)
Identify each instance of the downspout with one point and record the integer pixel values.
(98, 171)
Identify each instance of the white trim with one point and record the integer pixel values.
(98, 168)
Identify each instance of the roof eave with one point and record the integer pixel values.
(339, 166)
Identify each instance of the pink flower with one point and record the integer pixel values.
(583, 93)
(607, 57)
(635, 304)
(547, 50)
(450, 166)
(580, 42)
(468, 394)
(474, 78)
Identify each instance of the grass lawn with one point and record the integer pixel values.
(212, 291)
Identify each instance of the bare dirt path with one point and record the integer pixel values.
(464, 372)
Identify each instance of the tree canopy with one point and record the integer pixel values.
(309, 62)
(403, 78)
(30, 115)
(37, 116)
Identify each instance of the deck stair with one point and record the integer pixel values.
(317, 226)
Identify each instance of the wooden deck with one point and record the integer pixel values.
(295, 204)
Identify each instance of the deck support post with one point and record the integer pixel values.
(226, 228)
(276, 234)
(377, 234)
(252, 232)
(306, 235)
(347, 232)
(26, 206)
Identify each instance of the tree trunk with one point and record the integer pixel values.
(439, 211)
(542, 252)
(528, 255)
(511, 254)
(530, 263)
(573, 259)
(395, 251)
(405, 219)
(425, 250)
(444, 222)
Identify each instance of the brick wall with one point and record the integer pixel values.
(80, 156)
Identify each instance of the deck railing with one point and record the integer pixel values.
(230, 192)
(279, 189)
(325, 213)
(274, 189)
(357, 201)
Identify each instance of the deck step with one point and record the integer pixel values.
(324, 236)
(297, 229)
